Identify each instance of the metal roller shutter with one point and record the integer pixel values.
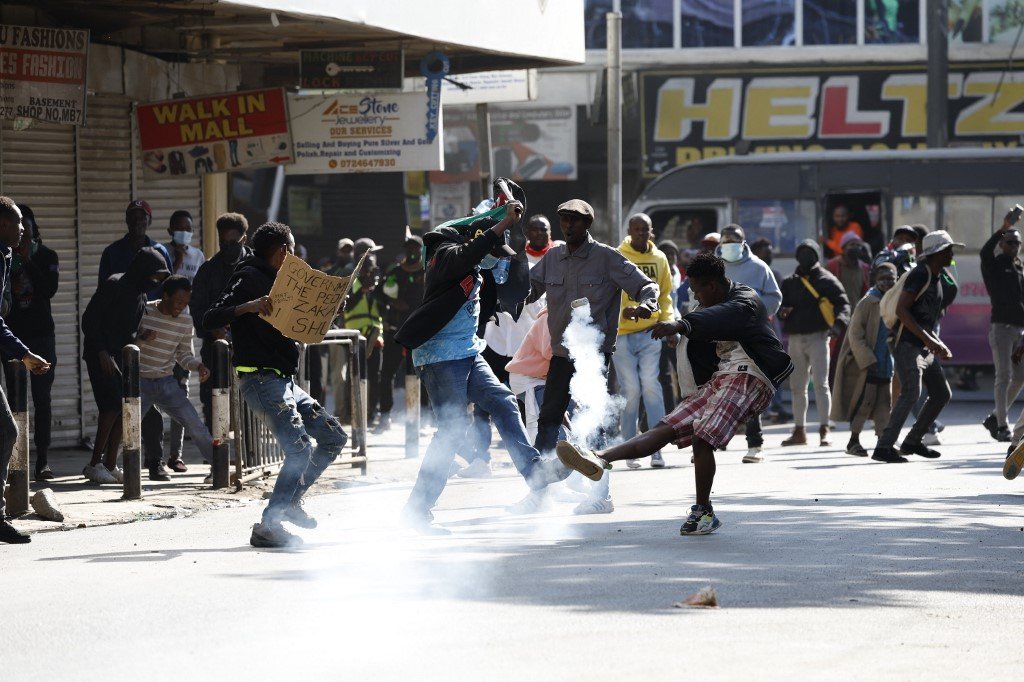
(104, 189)
(39, 170)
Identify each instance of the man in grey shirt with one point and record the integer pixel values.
(582, 268)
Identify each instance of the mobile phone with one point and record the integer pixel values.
(1015, 213)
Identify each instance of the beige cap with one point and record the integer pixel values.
(577, 206)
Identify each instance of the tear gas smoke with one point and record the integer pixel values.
(596, 410)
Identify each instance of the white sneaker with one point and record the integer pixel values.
(560, 492)
(98, 474)
(931, 439)
(657, 461)
(633, 464)
(531, 504)
(478, 468)
(117, 473)
(753, 456)
(595, 506)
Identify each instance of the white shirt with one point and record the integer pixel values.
(190, 262)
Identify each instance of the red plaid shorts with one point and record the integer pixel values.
(718, 407)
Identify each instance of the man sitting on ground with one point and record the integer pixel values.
(738, 363)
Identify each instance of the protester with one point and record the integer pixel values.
(211, 279)
(110, 322)
(582, 268)
(899, 252)
(441, 333)
(34, 275)
(165, 341)
(852, 272)
(742, 364)
(927, 292)
(344, 264)
(743, 267)
(667, 366)
(763, 249)
(710, 242)
(266, 362)
(1003, 275)
(840, 226)
(364, 311)
(637, 355)
(11, 233)
(814, 308)
(403, 291)
(528, 369)
(864, 368)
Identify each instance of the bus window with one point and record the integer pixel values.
(863, 208)
(968, 219)
(684, 226)
(784, 223)
(910, 210)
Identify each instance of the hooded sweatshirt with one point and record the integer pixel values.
(756, 274)
(112, 317)
(653, 263)
(806, 317)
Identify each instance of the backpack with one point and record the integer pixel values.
(887, 307)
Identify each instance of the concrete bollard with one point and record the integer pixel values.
(16, 493)
(131, 423)
(220, 380)
(412, 410)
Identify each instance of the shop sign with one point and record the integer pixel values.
(215, 133)
(693, 115)
(362, 133)
(42, 73)
(351, 69)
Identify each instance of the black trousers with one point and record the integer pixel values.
(556, 401)
(41, 386)
(755, 437)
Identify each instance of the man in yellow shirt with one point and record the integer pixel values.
(637, 356)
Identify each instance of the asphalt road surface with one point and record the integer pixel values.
(826, 566)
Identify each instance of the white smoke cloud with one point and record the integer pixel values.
(595, 408)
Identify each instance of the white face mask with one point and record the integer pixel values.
(731, 252)
(181, 237)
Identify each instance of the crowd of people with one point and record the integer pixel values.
(698, 342)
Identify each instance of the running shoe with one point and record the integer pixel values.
(98, 474)
(888, 455)
(534, 501)
(1014, 462)
(657, 461)
(1003, 434)
(478, 468)
(272, 535)
(582, 460)
(633, 464)
(44, 474)
(911, 447)
(701, 521)
(117, 473)
(931, 439)
(754, 456)
(991, 425)
(294, 513)
(601, 505)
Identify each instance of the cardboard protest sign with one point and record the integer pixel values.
(305, 300)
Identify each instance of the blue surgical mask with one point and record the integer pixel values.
(181, 237)
(731, 252)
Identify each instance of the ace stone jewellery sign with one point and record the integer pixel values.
(42, 73)
(215, 133)
(351, 70)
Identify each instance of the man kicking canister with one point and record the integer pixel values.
(738, 363)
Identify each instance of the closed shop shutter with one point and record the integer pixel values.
(104, 190)
(38, 169)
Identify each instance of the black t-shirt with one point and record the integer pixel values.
(930, 306)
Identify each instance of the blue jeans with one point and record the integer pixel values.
(637, 361)
(293, 417)
(453, 385)
(167, 395)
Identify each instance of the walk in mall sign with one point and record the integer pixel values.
(215, 133)
(699, 114)
(42, 73)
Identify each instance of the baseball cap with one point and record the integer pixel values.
(936, 241)
(577, 206)
(711, 238)
(139, 203)
(906, 229)
(364, 244)
(345, 241)
(848, 237)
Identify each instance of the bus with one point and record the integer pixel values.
(789, 197)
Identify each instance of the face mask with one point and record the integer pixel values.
(232, 251)
(806, 259)
(731, 252)
(181, 238)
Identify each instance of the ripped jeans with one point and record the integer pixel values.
(294, 418)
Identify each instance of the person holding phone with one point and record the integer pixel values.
(1003, 274)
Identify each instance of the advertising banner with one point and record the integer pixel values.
(448, 201)
(42, 73)
(485, 87)
(362, 133)
(529, 143)
(215, 133)
(689, 115)
(351, 69)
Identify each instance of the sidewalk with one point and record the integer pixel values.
(87, 504)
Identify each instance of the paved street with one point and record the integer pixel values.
(827, 565)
